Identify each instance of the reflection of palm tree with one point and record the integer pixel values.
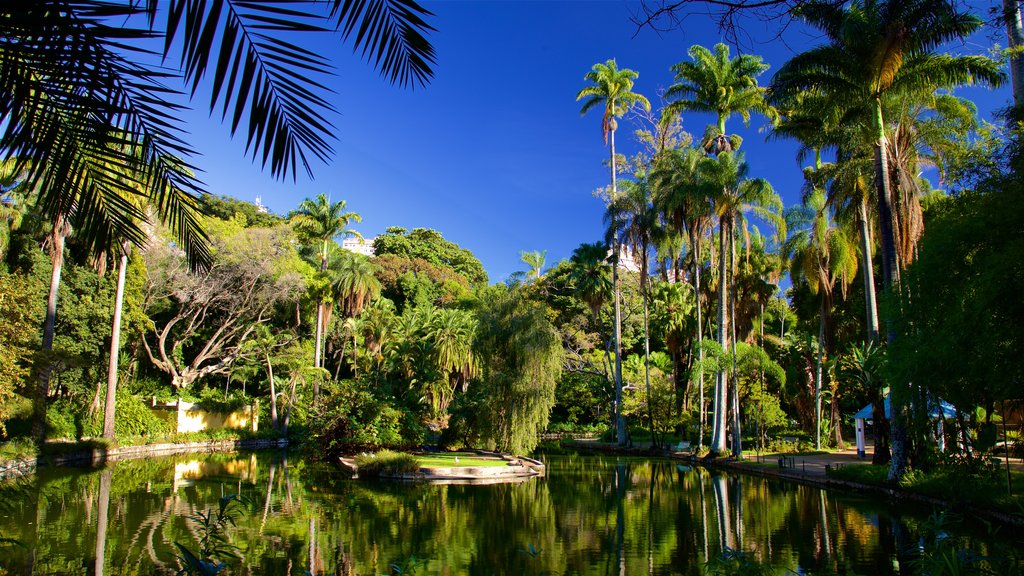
(612, 89)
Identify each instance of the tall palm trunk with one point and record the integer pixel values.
(890, 282)
(817, 376)
(57, 237)
(647, 340)
(620, 420)
(734, 388)
(317, 354)
(700, 343)
(718, 432)
(870, 299)
(115, 347)
(1015, 35)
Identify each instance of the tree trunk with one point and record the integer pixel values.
(817, 377)
(700, 343)
(870, 299)
(647, 345)
(273, 392)
(890, 281)
(57, 236)
(115, 347)
(720, 403)
(734, 389)
(620, 420)
(1015, 36)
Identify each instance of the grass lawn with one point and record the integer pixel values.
(447, 460)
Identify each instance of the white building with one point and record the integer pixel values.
(362, 246)
(627, 261)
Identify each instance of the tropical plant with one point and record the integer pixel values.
(318, 222)
(877, 49)
(612, 89)
(734, 195)
(822, 255)
(633, 219)
(716, 83)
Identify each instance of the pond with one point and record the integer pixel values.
(591, 515)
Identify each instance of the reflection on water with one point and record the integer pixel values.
(591, 515)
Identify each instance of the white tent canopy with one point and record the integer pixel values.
(938, 412)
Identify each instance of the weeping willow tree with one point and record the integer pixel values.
(520, 355)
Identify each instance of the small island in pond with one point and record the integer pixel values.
(475, 467)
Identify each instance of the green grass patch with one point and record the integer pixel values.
(466, 459)
(386, 463)
(976, 484)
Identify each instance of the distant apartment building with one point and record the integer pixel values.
(627, 260)
(362, 246)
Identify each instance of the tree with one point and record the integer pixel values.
(685, 202)
(876, 49)
(612, 89)
(520, 356)
(720, 85)
(735, 194)
(431, 246)
(633, 219)
(318, 222)
(201, 320)
(821, 255)
(535, 260)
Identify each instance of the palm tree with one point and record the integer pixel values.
(685, 202)
(589, 276)
(354, 286)
(535, 260)
(633, 219)
(451, 335)
(822, 255)
(876, 49)
(318, 223)
(715, 83)
(612, 89)
(735, 194)
(78, 80)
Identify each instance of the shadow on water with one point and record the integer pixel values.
(594, 515)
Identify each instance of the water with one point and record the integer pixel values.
(592, 515)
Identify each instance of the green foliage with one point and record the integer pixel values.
(386, 463)
(245, 213)
(520, 357)
(960, 326)
(19, 300)
(412, 282)
(350, 417)
(429, 245)
(212, 538)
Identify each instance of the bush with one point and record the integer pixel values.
(62, 420)
(386, 463)
(132, 418)
(350, 418)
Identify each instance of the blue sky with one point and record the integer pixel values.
(494, 153)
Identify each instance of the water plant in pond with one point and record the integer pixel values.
(214, 546)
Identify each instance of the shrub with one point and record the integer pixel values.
(132, 418)
(386, 463)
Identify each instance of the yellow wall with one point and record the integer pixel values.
(192, 419)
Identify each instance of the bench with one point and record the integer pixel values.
(787, 462)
